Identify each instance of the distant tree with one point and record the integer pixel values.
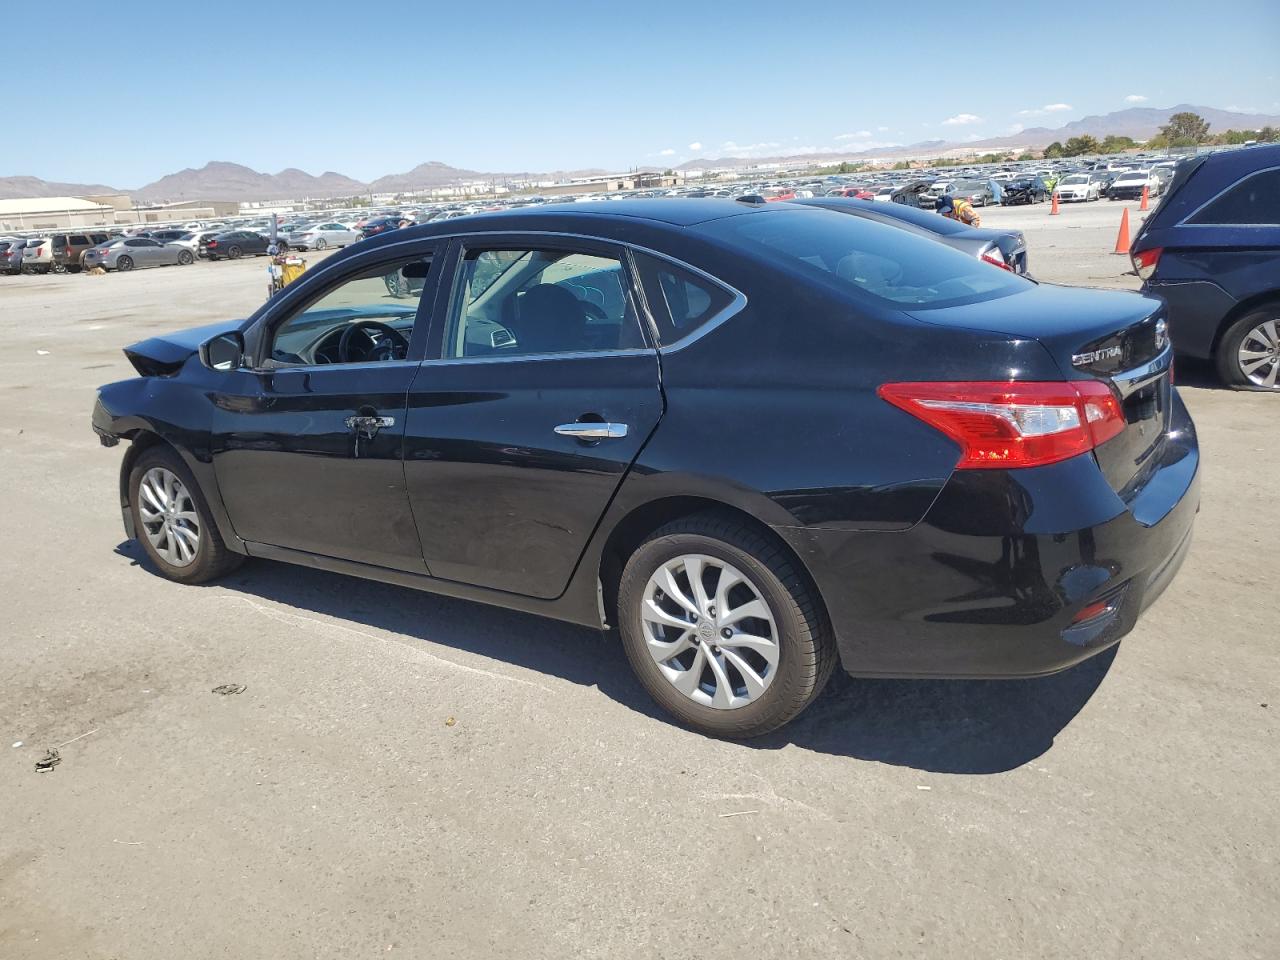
(1158, 142)
(1115, 144)
(901, 165)
(1025, 155)
(1185, 129)
(1077, 146)
(1053, 150)
(1268, 135)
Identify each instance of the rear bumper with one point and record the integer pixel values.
(1196, 309)
(990, 583)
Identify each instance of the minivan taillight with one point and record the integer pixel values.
(1001, 425)
(1146, 261)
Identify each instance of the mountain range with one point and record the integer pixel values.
(220, 180)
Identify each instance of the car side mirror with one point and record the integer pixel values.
(223, 352)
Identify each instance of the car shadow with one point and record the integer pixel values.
(943, 726)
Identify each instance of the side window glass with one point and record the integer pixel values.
(517, 302)
(681, 301)
(364, 318)
(1255, 200)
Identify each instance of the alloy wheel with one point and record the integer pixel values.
(710, 631)
(1259, 354)
(169, 517)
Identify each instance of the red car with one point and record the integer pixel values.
(858, 193)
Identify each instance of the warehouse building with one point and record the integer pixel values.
(52, 213)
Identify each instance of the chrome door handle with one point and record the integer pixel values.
(592, 431)
(369, 425)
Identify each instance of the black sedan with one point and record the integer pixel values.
(234, 244)
(1006, 249)
(760, 440)
(380, 225)
(1025, 190)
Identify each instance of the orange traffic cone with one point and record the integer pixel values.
(1053, 210)
(1122, 238)
(1146, 199)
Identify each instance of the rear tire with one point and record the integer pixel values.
(185, 258)
(234, 253)
(803, 648)
(183, 544)
(1248, 354)
(321, 243)
(124, 264)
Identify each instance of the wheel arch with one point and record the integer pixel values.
(143, 438)
(642, 520)
(1239, 310)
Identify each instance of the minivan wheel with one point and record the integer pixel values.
(124, 263)
(1249, 352)
(172, 521)
(722, 629)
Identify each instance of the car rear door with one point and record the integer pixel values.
(544, 389)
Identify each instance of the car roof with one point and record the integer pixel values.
(676, 211)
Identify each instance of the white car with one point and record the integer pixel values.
(884, 195)
(1078, 186)
(1128, 186)
(318, 236)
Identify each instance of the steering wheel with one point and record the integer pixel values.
(392, 346)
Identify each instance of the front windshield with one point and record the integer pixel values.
(865, 258)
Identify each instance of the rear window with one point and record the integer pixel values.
(1255, 200)
(867, 259)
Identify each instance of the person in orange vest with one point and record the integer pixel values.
(961, 210)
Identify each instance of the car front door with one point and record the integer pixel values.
(543, 390)
(307, 439)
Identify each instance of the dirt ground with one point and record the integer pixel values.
(412, 776)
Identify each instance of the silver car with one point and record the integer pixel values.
(318, 236)
(125, 253)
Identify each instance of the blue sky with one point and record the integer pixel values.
(377, 87)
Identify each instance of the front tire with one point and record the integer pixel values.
(172, 520)
(722, 628)
(1248, 354)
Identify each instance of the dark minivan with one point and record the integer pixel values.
(1211, 250)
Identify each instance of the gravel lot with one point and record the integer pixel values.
(415, 776)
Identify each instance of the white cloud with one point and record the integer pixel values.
(961, 119)
(882, 129)
(1015, 128)
(1135, 98)
(860, 135)
(667, 152)
(696, 145)
(1047, 108)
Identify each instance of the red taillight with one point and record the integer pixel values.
(995, 257)
(39, 251)
(1010, 424)
(212, 243)
(1145, 262)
